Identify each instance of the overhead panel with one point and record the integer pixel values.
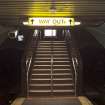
(15, 10)
(42, 7)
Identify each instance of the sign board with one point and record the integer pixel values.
(51, 21)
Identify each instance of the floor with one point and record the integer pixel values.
(52, 101)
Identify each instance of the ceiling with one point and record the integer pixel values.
(16, 11)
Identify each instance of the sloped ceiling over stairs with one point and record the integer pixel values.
(16, 11)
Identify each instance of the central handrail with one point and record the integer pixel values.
(52, 66)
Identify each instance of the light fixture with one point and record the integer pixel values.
(77, 23)
(53, 7)
(25, 23)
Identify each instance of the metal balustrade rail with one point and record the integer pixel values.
(27, 62)
(52, 67)
(35, 38)
(77, 65)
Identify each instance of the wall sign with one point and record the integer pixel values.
(51, 21)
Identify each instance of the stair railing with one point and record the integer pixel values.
(68, 39)
(74, 54)
(27, 62)
(31, 59)
(52, 66)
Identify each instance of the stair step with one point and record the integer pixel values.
(51, 51)
(54, 55)
(61, 63)
(63, 71)
(60, 55)
(59, 48)
(53, 69)
(41, 55)
(59, 41)
(35, 94)
(44, 41)
(49, 46)
(61, 67)
(50, 85)
(61, 58)
(40, 85)
(41, 69)
(63, 87)
(64, 93)
(44, 44)
(38, 91)
(41, 65)
(53, 65)
(62, 81)
(63, 90)
(52, 41)
(43, 59)
(50, 54)
(40, 76)
(43, 48)
(49, 71)
(42, 79)
(62, 76)
(55, 74)
(48, 61)
(55, 58)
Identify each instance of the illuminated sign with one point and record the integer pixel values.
(51, 21)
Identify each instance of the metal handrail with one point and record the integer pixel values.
(52, 66)
(29, 62)
(51, 73)
(74, 59)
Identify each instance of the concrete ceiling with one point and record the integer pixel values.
(16, 11)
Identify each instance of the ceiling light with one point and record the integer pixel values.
(77, 23)
(25, 23)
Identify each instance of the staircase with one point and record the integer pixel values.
(52, 71)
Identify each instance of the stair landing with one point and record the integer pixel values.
(53, 101)
(81, 100)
